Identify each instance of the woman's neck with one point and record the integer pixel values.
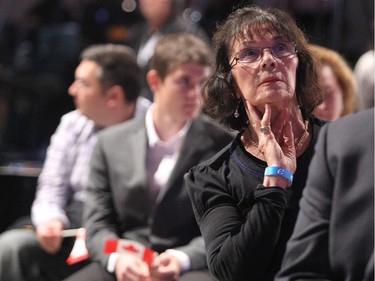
(301, 130)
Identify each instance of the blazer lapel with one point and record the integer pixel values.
(138, 144)
(193, 145)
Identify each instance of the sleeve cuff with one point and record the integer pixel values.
(182, 257)
(111, 265)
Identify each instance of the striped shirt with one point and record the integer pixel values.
(66, 168)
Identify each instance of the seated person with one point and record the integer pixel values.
(338, 83)
(136, 189)
(106, 92)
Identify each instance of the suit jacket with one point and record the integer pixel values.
(119, 202)
(334, 235)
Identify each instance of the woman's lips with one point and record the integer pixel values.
(269, 80)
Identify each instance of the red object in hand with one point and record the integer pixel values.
(130, 247)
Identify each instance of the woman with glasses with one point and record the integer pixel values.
(245, 199)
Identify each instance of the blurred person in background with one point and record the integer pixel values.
(364, 73)
(106, 92)
(160, 17)
(338, 84)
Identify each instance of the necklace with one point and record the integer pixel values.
(304, 135)
(251, 141)
(299, 142)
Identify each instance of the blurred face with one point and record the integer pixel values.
(260, 75)
(156, 11)
(333, 104)
(178, 95)
(86, 90)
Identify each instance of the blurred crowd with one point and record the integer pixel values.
(41, 40)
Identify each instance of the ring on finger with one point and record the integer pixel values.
(265, 129)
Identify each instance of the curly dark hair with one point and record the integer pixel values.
(219, 96)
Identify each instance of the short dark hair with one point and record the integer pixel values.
(118, 67)
(176, 49)
(219, 98)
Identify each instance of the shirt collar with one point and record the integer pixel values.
(153, 138)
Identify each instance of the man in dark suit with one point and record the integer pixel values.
(334, 235)
(136, 189)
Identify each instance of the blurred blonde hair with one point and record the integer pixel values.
(343, 73)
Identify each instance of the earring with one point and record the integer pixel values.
(236, 114)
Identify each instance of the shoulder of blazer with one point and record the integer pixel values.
(359, 124)
(129, 127)
(204, 129)
(356, 121)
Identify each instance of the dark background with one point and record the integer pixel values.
(40, 41)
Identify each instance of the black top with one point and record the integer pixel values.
(245, 225)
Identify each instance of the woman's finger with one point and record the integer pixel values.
(266, 119)
(254, 114)
(279, 123)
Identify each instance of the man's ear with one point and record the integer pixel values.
(153, 80)
(115, 95)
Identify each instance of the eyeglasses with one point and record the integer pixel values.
(253, 54)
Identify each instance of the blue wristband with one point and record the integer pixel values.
(280, 172)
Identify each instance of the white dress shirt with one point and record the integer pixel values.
(161, 159)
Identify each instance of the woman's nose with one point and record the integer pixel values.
(267, 58)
